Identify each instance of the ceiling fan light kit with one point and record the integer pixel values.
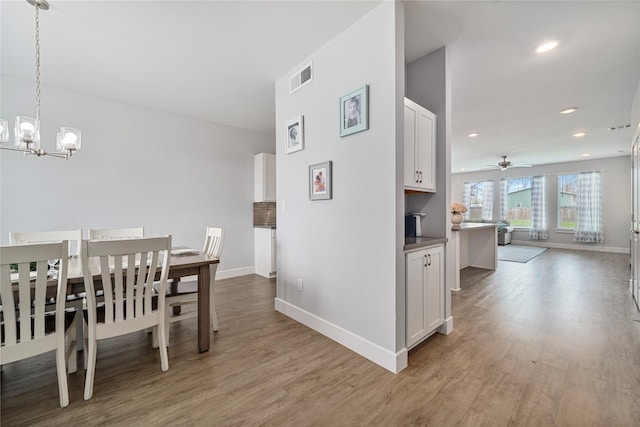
(506, 164)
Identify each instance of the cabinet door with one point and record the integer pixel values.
(434, 288)
(410, 135)
(416, 297)
(270, 178)
(426, 150)
(265, 177)
(419, 147)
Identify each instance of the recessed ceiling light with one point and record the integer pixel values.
(569, 110)
(473, 134)
(546, 47)
(579, 134)
(586, 155)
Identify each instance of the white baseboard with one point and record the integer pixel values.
(584, 247)
(394, 362)
(447, 326)
(234, 272)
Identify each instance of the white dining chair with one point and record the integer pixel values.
(29, 329)
(126, 303)
(116, 233)
(185, 293)
(26, 237)
(74, 237)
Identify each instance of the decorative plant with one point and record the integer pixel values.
(458, 208)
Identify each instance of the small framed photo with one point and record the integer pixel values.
(295, 134)
(354, 111)
(320, 181)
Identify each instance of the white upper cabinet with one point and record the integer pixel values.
(265, 177)
(419, 147)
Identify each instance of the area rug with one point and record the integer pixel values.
(515, 253)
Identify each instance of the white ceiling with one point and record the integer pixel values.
(217, 61)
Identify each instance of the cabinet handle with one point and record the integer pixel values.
(420, 177)
(425, 260)
(417, 176)
(429, 258)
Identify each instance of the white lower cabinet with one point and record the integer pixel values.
(425, 293)
(265, 251)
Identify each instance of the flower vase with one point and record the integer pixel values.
(456, 218)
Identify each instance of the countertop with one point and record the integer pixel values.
(473, 226)
(412, 243)
(273, 227)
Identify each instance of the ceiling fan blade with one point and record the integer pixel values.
(520, 165)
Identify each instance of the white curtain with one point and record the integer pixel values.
(504, 184)
(466, 197)
(487, 201)
(538, 229)
(589, 210)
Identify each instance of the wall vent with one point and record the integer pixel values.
(301, 78)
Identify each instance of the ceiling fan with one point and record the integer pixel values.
(506, 164)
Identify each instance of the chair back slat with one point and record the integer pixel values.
(107, 288)
(40, 297)
(130, 287)
(214, 240)
(29, 310)
(28, 237)
(7, 300)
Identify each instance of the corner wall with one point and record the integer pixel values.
(345, 250)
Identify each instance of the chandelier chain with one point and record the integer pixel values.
(37, 62)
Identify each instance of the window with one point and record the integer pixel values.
(518, 201)
(567, 201)
(478, 198)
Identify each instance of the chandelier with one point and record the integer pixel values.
(27, 129)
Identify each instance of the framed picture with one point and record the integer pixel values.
(295, 134)
(354, 111)
(320, 181)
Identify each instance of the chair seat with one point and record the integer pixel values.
(182, 288)
(49, 322)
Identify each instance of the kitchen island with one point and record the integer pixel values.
(476, 245)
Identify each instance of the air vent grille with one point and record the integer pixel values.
(619, 127)
(300, 78)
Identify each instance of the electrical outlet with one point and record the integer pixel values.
(299, 285)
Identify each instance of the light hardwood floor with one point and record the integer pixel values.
(555, 341)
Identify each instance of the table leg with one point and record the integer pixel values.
(203, 309)
(173, 287)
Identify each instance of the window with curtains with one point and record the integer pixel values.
(589, 227)
(515, 200)
(478, 198)
(567, 201)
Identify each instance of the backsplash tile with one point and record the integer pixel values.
(264, 214)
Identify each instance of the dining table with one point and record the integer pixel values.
(186, 263)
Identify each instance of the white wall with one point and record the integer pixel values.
(616, 182)
(137, 166)
(346, 249)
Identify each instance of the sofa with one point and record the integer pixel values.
(504, 234)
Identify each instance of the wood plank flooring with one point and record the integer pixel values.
(555, 341)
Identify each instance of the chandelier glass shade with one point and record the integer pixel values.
(26, 130)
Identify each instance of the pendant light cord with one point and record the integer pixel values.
(37, 62)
